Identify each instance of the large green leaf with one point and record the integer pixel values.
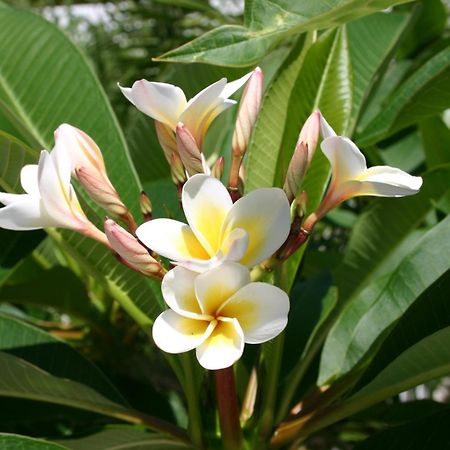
(265, 24)
(123, 439)
(427, 360)
(436, 141)
(365, 322)
(16, 442)
(425, 93)
(382, 228)
(426, 433)
(52, 355)
(60, 86)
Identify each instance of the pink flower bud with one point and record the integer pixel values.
(188, 150)
(101, 191)
(177, 170)
(217, 168)
(296, 170)
(309, 133)
(166, 139)
(248, 112)
(132, 252)
(146, 206)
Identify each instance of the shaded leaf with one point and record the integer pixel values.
(16, 442)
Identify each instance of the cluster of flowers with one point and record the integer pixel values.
(215, 307)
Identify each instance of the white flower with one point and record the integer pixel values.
(167, 103)
(217, 312)
(248, 231)
(50, 200)
(351, 177)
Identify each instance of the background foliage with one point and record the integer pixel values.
(370, 316)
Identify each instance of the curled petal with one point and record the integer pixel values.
(178, 291)
(29, 179)
(347, 162)
(325, 128)
(171, 239)
(223, 347)
(206, 203)
(235, 85)
(24, 212)
(176, 334)
(214, 287)
(261, 309)
(265, 215)
(385, 181)
(235, 245)
(161, 101)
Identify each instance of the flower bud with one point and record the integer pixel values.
(217, 168)
(188, 150)
(296, 170)
(248, 112)
(177, 170)
(166, 139)
(146, 206)
(101, 191)
(131, 251)
(309, 134)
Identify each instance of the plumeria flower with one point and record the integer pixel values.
(49, 201)
(167, 103)
(248, 231)
(351, 177)
(217, 312)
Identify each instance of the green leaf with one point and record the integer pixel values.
(429, 313)
(427, 360)
(436, 141)
(52, 355)
(425, 93)
(426, 433)
(16, 442)
(60, 86)
(382, 228)
(265, 24)
(123, 438)
(365, 322)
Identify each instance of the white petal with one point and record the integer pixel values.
(161, 101)
(127, 92)
(178, 291)
(55, 189)
(206, 203)
(199, 107)
(265, 215)
(223, 348)
(29, 179)
(81, 149)
(208, 119)
(235, 85)
(347, 162)
(236, 244)
(261, 309)
(24, 213)
(200, 266)
(7, 199)
(176, 334)
(325, 128)
(385, 181)
(171, 239)
(216, 286)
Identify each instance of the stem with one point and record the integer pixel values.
(227, 405)
(195, 419)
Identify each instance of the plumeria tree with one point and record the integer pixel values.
(258, 259)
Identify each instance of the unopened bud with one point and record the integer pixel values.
(309, 134)
(146, 206)
(177, 170)
(296, 171)
(131, 251)
(101, 191)
(188, 150)
(166, 138)
(217, 168)
(248, 112)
